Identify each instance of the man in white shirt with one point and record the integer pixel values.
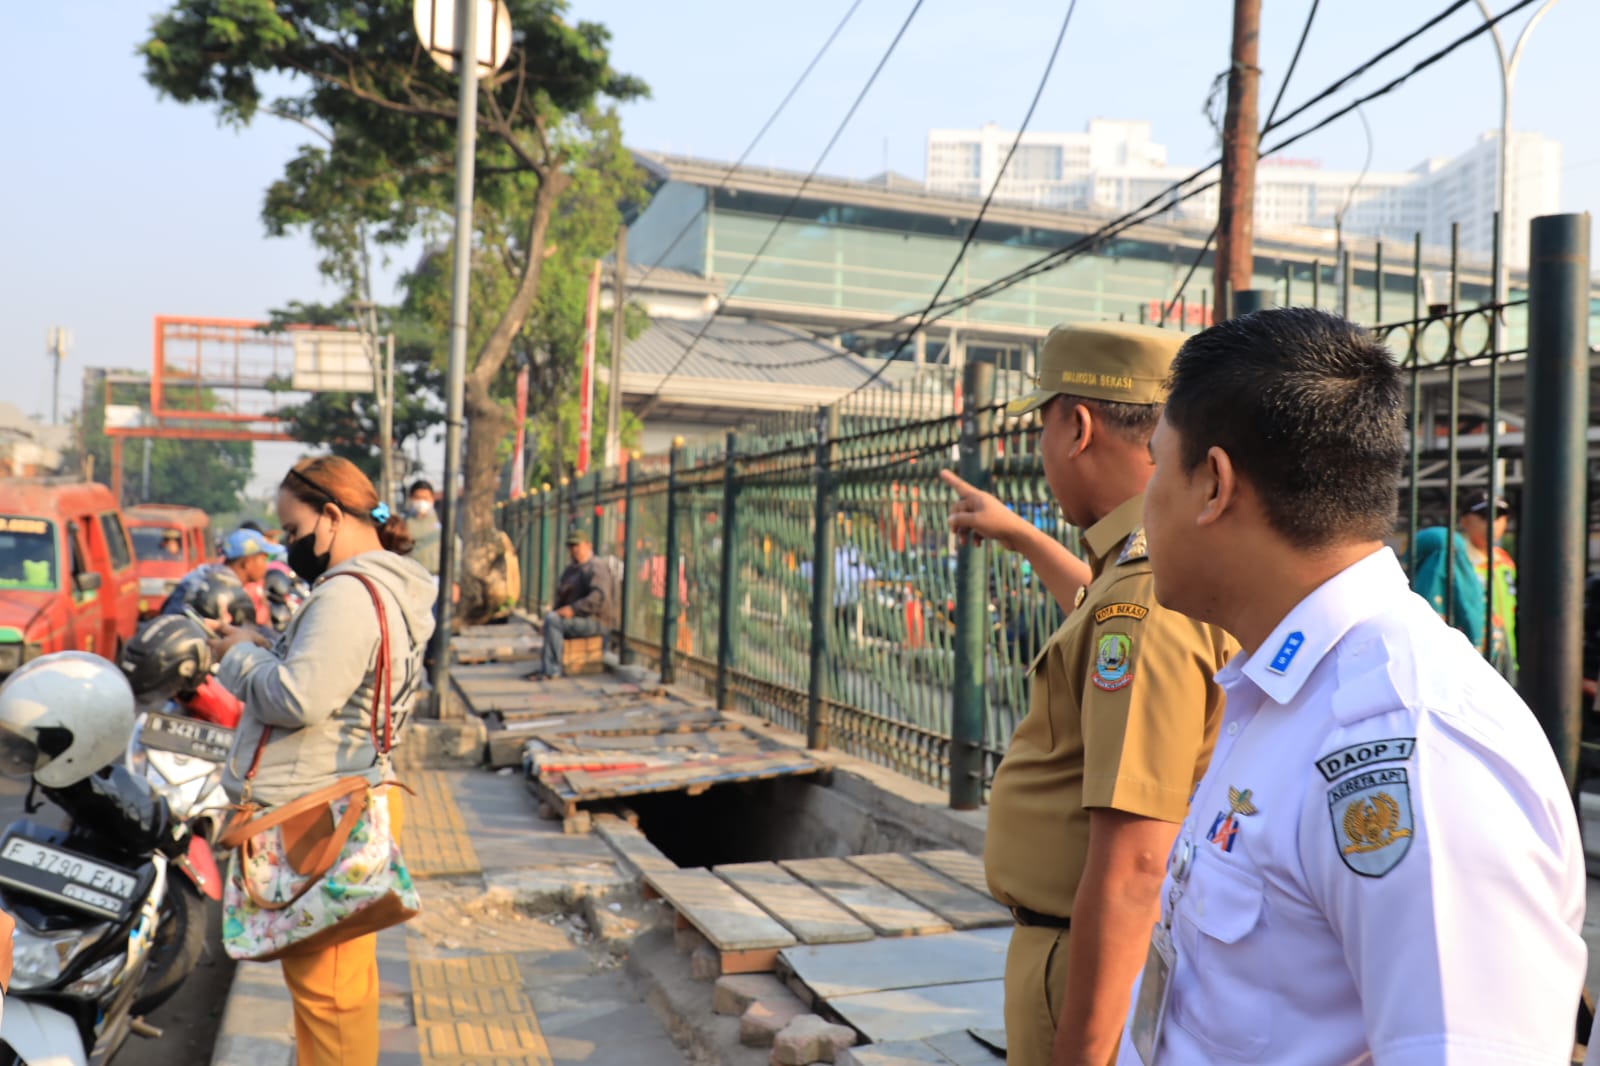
(1382, 863)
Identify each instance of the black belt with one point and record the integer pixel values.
(1044, 921)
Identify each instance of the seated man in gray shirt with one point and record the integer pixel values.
(586, 603)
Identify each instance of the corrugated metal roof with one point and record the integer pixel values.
(745, 350)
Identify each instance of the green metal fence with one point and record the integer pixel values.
(803, 570)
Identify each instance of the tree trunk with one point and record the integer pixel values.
(484, 572)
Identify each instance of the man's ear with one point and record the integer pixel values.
(1083, 419)
(1218, 484)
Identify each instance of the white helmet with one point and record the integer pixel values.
(64, 716)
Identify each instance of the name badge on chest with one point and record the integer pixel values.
(1155, 987)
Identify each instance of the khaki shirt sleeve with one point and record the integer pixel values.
(1147, 692)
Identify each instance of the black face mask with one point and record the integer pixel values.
(304, 558)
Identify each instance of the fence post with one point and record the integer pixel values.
(599, 509)
(968, 694)
(1553, 506)
(669, 594)
(730, 566)
(822, 577)
(628, 535)
(544, 548)
(1248, 301)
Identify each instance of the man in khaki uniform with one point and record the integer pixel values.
(1123, 712)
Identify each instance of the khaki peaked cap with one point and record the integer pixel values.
(1114, 361)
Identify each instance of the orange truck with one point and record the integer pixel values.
(67, 577)
(168, 542)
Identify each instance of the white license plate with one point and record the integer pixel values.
(76, 877)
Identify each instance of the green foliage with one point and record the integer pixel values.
(552, 176)
(209, 475)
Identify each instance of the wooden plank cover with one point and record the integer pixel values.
(804, 911)
(958, 866)
(724, 916)
(956, 903)
(887, 911)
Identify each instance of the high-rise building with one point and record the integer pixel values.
(1114, 166)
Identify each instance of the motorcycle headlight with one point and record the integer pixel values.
(98, 979)
(38, 959)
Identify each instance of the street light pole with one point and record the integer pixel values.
(466, 42)
(1508, 77)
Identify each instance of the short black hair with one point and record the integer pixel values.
(1310, 409)
(420, 484)
(1135, 421)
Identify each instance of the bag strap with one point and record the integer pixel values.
(356, 789)
(382, 686)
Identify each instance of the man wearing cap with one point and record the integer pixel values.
(1122, 717)
(245, 552)
(1479, 563)
(586, 604)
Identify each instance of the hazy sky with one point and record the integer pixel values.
(122, 206)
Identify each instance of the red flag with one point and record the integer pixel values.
(586, 400)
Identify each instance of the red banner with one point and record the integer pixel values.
(586, 399)
(518, 471)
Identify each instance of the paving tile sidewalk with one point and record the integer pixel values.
(476, 979)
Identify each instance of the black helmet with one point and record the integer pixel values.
(221, 597)
(280, 586)
(167, 657)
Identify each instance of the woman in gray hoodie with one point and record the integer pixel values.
(314, 689)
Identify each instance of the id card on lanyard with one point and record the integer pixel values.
(1155, 987)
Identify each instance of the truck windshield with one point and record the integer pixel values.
(27, 553)
(157, 543)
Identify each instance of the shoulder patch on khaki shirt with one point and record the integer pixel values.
(1133, 549)
(1121, 610)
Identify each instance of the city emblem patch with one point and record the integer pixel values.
(1113, 663)
(1372, 823)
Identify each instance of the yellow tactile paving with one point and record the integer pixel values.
(473, 1012)
(434, 836)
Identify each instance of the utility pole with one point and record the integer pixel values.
(1241, 147)
(619, 278)
(466, 39)
(59, 340)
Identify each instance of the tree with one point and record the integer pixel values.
(205, 474)
(347, 423)
(549, 149)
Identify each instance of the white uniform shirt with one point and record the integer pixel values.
(1386, 865)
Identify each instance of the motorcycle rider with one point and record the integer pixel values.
(246, 554)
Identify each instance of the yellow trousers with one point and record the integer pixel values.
(335, 993)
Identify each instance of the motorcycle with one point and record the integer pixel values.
(185, 721)
(110, 909)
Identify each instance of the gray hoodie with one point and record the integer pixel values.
(315, 689)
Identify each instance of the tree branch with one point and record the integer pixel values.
(494, 351)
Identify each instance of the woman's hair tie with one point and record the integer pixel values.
(380, 513)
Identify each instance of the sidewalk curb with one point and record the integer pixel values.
(683, 1004)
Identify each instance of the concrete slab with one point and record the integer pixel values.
(833, 970)
(918, 1013)
(954, 902)
(888, 912)
(805, 912)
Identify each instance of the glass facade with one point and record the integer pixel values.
(869, 262)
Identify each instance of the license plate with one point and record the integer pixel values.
(187, 736)
(67, 877)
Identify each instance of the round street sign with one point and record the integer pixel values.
(435, 21)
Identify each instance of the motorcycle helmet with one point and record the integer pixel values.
(169, 656)
(221, 597)
(63, 717)
(280, 586)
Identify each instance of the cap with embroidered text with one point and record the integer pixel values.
(1114, 361)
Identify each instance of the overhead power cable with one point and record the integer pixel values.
(789, 207)
(1169, 197)
(977, 221)
(754, 141)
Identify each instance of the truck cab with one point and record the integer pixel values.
(168, 542)
(67, 578)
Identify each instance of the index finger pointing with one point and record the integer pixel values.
(949, 478)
